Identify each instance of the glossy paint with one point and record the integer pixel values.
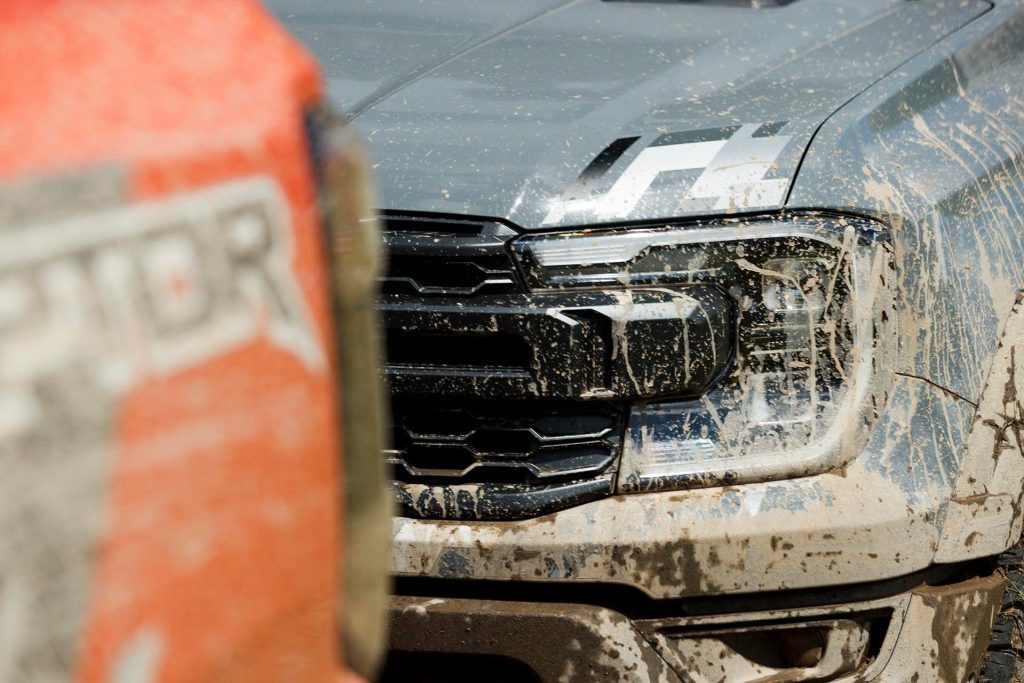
(495, 109)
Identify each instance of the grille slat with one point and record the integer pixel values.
(437, 258)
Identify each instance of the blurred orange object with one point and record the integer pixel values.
(169, 408)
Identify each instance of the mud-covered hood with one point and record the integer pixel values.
(556, 112)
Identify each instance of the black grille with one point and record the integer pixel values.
(456, 455)
(504, 442)
(430, 257)
(466, 351)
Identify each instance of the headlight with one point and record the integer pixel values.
(813, 337)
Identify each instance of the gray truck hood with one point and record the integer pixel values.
(566, 112)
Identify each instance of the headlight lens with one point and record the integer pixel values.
(814, 335)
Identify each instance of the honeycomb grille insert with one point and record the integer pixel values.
(502, 443)
(504, 460)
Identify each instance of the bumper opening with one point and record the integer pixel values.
(814, 649)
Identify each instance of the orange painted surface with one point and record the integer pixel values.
(222, 524)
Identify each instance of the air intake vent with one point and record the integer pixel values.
(503, 442)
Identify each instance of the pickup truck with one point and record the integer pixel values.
(702, 329)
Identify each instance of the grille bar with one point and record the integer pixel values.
(559, 345)
(448, 258)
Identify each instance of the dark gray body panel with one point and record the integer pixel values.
(369, 49)
(494, 109)
(910, 112)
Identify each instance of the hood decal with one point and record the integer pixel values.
(494, 109)
(727, 171)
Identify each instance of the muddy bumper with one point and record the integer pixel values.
(937, 633)
(892, 511)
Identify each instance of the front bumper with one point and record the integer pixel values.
(878, 518)
(927, 633)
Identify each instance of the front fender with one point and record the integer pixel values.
(983, 515)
